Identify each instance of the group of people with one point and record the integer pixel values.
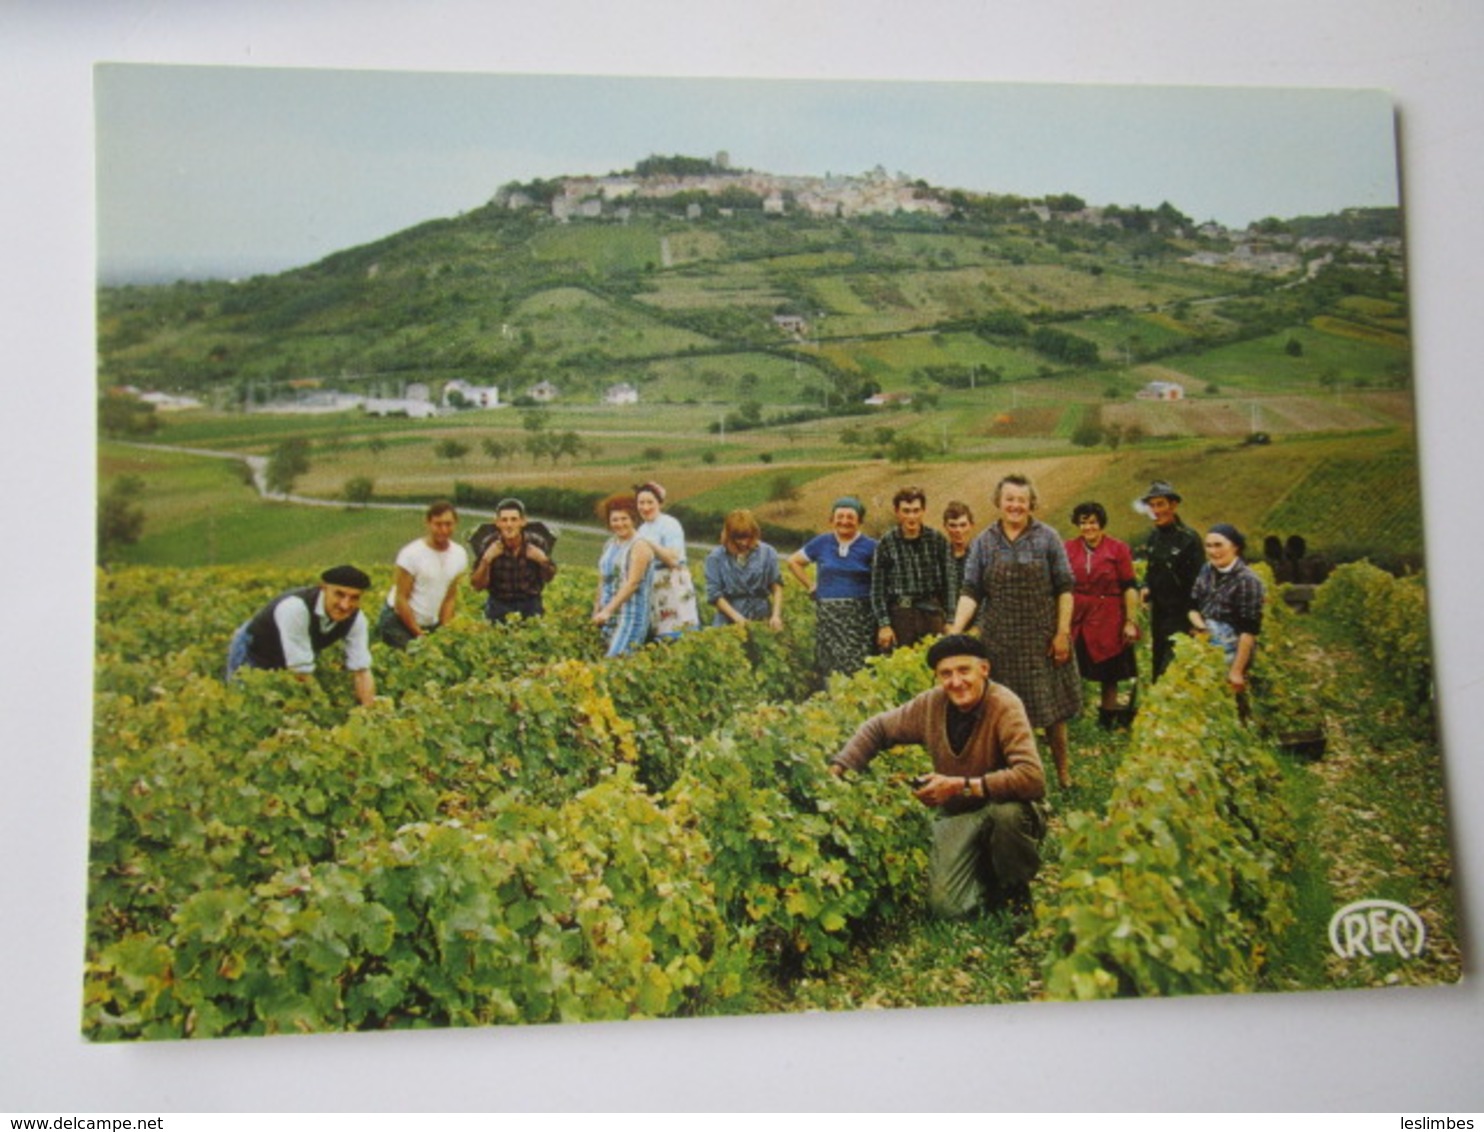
(1037, 602)
(644, 591)
(1045, 614)
(295, 627)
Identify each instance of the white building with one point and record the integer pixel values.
(1162, 391)
(400, 407)
(621, 394)
(471, 396)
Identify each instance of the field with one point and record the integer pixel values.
(1352, 490)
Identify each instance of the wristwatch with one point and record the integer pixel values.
(968, 786)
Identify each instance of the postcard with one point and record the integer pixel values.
(593, 549)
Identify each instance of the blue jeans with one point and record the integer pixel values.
(237, 651)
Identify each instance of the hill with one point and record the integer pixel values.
(698, 283)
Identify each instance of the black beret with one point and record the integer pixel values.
(347, 576)
(956, 644)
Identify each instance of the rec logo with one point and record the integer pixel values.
(1377, 927)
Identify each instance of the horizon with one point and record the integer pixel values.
(208, 173)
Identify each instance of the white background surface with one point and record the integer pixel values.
(1413, 1051)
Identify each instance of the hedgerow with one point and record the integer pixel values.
(1176, 887)
(1387, 617)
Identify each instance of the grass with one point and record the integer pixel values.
(200, 513)
(1264, 363)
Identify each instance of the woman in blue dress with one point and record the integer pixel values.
(743, 580)
(621, 605)
(844, 630)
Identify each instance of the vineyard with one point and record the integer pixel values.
(520, 831)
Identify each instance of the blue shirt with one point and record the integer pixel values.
(837, 576)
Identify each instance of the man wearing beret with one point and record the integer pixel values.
(986, 785)
(294, 628)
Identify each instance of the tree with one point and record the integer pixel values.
(1087, 435)
(783, 489)
(120, 415)
(451, 449)
(120, 518)
(495, 449)
(1065, 202)
(908, 451)
(654, 454)
(376, 445)
(286, 463)
(1293, 348)
(358, 490)
(538, 444)
(567, 444)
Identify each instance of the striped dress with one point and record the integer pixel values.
(627, 628)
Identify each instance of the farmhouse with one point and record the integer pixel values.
(621, 394)
(543, 391)
(791, 323)
(879, 400)
(1162, 391)
(470, 396)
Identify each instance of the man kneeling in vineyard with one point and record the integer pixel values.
(986, 784)
(294, 628)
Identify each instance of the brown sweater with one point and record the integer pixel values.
(1001, 746)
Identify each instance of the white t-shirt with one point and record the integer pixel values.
(433, 571)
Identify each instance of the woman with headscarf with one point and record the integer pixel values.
(1228, 600)
(844, 630)
(672, 594)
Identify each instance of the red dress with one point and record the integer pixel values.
(1100, 577)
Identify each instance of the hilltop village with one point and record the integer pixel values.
(1263, 248)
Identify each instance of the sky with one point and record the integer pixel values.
(221, 171)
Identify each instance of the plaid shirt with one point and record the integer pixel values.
(514, 576)
(1234, 597)
(916, 572)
